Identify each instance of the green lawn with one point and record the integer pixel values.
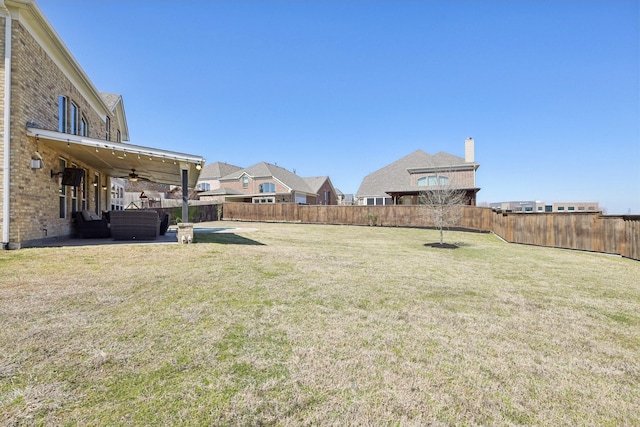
(293, 324)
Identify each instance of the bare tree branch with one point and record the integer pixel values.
(443, 202)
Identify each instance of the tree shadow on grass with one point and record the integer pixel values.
(224, 239)
(439, 245)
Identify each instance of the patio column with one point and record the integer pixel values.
(185, 192)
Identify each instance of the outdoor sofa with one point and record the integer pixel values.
(135, 224)
(91, 226)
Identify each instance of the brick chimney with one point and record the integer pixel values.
(469, 150)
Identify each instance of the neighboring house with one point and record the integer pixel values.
(542, 207)
(326, 194)
(61, 140)
(210, 175)
(344, 199)
(402, 181)
(268, 183)
(209, 182)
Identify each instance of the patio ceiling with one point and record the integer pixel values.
(118, 159)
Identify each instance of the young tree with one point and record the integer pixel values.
(443, 202)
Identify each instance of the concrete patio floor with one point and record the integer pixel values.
(169, 238)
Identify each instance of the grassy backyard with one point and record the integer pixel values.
(293, 324)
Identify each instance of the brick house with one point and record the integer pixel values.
(208, 186)
(268, 183)
(402, 181)
(61, 139)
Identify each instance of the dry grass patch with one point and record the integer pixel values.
(302, 325)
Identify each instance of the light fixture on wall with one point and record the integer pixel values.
(95, 182)
(198, 166)
(36, 158)
(36, 161)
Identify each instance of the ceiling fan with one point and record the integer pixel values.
(133, 176)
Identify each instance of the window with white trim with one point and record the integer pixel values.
(62, 114)
(108, 129)
(83, 185)
(62, 189)
(263, 200)
(437, 180)
(74, 194)
(74, 119)
(96, 191)
(267, 187)
(245, 182)
(84, 127)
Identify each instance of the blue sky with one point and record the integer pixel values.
(549, 90)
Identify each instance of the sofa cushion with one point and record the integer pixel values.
(86, 215)
(94, 216)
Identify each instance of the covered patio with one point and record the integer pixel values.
(124, 160)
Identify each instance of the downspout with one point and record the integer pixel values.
(7, 127)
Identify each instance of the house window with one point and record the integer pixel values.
(245, 182)
(117, 200)
(528, 208)
(263, 200)
(84, 128)
(74, 194)
(74, 119)
(108, 129)
(560, 208)
(203, 186)
(83, 185)
(571, 208)
(96, 191)
(267, 187)
(62, 114)
(422, 182)
(539, 208)
(548, 208)
(435, 180)
(62, 190)
(118, 136)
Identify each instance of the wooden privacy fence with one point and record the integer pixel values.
(583, 231)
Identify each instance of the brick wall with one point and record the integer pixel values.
(36, 85)
(2, 127)
(463, 179)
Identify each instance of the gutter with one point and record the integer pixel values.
(7, 127)
(115, 146)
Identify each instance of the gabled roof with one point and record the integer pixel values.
(316, 182)
(110, 99)
(267, 170)
(116, 105)
(396, 176)
(217, 170)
